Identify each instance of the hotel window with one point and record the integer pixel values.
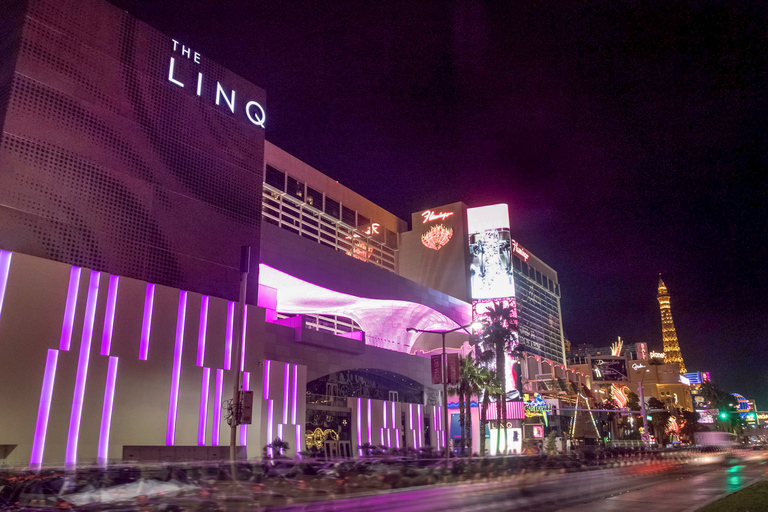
(295, 188)
(516, 263)
(332, 208)
(363, 223)
(348, 216)
(314, 198)
(275, 178)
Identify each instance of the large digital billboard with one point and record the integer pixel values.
(609, 369)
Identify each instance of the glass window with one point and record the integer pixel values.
(295, 188)
(363, 223)
(516, 263)
(538, 277)
(314, 198)
(275, 178)
(525, 267)
(391, 239)
(332, 208)
(348, 216)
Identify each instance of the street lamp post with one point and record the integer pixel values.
(444, 377)
(642, 406)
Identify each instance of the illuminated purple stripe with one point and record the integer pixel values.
(5, 267)
(146, 323)
(244, 428)
(106, 411)
(109, 316)
(203, 417)
(73, 435)
(242, 341)
(389, 438)
(44, 409)
(295, 392)
(202, 330)
(384, 415)
(228, 338)
(410, 416)
(270, 417)
(217, 407)
(69, 309)
(370, 439)
(420, 413)
(280, 430)
(286, 390)
(381, 433)
(267, 367)
(434, 419)
(298, 442)
(359, 429)
(181, 316)
(393, 415)
(397, 438)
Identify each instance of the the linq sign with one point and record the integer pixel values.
(222, 96)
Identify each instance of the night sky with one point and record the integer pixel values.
(629, 140)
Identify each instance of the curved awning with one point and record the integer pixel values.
(384, 321)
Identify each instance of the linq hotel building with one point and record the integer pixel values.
(132, 171)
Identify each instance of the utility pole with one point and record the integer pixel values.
(238, 334)
(642, 409)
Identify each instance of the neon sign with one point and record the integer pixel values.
(373, 229)
(437, 236)
(657, 355)
(537, 407)
(637, 366)
(253, 110)
(519, 250)
(429, 216)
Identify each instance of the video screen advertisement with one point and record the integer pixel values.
(125, 150)
(610, 369)
(491, 274)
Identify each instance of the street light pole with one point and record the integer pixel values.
(642, 406)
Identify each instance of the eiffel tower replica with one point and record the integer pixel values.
(671, 347)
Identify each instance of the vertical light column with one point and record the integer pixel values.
(173, 402)
(295, 392)
(203, 416)
(244, 428)
(370, 439)
(286, 390)
(5, 269)
(299, 442)
(106, 411)
(73, 436)
(69, 309)
(359, 429)
(109, 316)
(242, 341)
(216, 428)
(44, 409)
(146, 323)
(228, 337)
(420, 416)
(201, 332)
(270, 420)
(384, 420)
(267, 368)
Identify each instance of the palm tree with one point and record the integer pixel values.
(491, 386)
(468, 385)
(498, 336)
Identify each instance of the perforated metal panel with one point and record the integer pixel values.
(107, 164)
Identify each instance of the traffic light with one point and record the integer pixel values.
(649, 418)
(723, 415)
(751, 415)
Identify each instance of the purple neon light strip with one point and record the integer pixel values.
(393, 415)
(84, 358)
(173, 403)
(244, 428)
(298, 442)
(270, 418)
(146, 323)
(106, 411)
(201, 331)
(217, 407)
(420, 413)
(410, 416)
(359, 429)
(267, 368)
(203, 417)
(44, 409)
(286, 390)
(370, 439)
(381, 434)
(389, 438)
(242, 341)
(109, 316)
(69, 309)
(295, 392)
(228, 338)
(397, 438)
(5, 268)
(384, 414)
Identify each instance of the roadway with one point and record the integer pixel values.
(650, 487)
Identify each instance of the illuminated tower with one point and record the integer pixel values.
(671, 347)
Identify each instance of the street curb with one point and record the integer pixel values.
(723, 495)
